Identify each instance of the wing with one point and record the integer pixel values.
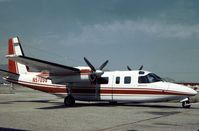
(5, 74)
(41, 65)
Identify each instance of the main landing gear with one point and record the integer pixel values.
(186, 103)
(69, 100)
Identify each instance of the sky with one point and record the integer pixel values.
(162, 35)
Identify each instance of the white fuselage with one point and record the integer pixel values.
(112, 86)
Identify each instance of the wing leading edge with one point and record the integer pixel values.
(41, 65)
(5, 74)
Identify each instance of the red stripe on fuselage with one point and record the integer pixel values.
(92, 90)
(141, 91)
(42, 87)
(85, 71)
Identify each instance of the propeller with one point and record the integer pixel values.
(89, 64)
(129, 68)
(95, 72)
(103, 65)
(141, 67)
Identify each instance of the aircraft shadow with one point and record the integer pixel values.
(28, 101)
(78, 105)
(60, 105)
(11, 129)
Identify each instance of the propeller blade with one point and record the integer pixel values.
(141, 67)
(89, 64)
(129, 68)
(103, 65)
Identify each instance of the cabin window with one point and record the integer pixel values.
(117, 80)
(153, 78)
(127, 80)
(141, 72)
(103, 80)
(143, 79)
(150, 78)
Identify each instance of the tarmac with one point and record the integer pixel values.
(27, 109)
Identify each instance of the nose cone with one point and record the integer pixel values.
(189, 91)
(184, 90)
(193, 92)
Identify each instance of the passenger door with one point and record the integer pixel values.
(106, 88)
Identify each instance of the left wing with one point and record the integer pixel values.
(41, 65)
(5, 74)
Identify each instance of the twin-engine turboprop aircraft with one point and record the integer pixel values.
(89, 83)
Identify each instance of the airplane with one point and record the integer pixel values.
(88, 83)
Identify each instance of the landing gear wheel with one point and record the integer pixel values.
(186, 104)
(69, 101)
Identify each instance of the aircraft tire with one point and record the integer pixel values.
(69, 100)
(186, 104)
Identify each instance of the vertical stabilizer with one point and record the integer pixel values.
(14, 48)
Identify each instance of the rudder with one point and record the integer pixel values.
(15, 48)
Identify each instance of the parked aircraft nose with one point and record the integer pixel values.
(189, 91)
(194, 92)
(182, 89)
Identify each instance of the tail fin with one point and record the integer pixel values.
(15, 48)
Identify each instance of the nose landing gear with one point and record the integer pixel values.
(186, 103)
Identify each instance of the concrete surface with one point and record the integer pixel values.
(33, 110)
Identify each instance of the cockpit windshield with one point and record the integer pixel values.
(150, 78)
